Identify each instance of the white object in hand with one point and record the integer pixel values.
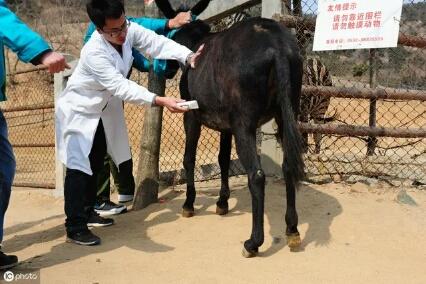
(189, 104)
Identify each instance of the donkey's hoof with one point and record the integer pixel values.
(249, 254)
(294, 241)
(221, 211)
(187, 213)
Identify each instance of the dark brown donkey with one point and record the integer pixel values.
(246, 76)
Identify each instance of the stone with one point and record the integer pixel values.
(403, 197)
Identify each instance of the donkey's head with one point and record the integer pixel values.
(190, 34)
(182, 6)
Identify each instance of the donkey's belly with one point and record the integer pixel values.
(221, 121)
(216, 121)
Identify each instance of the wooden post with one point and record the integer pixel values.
(60, 82)
(372, 141)
(147, 181)
(147, 178)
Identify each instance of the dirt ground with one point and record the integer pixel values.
(350, 234)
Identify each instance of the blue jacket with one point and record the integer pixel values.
(140, 62)
(20, 39)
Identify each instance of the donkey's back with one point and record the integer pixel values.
(236, 74)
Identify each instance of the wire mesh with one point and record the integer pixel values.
(32, 131)
(390, 68)
(31, 128)
(173, 140)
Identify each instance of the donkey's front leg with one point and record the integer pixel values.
(224, 161)
(192, 132)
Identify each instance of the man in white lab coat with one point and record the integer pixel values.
(89, 113)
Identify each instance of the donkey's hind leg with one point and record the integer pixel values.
(245, 140)
(291, 218)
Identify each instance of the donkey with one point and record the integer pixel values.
(245, 76)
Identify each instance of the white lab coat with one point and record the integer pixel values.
(96, 90)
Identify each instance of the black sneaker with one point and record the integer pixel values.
(85, 238)
(97, 221)
(109, 208)
(7, 261)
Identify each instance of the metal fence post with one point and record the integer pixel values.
(60, 82)
(372, 141)
(271, 153)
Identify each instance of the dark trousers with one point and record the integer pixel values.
(80, 188)
(123, 176)
(123, 179)
(7, 170)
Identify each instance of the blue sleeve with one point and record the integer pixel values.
(17, 36)
(90, 29)
(140, 62)
(156, 25)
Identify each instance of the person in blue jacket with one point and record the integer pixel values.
(30, 47)
(123, 178)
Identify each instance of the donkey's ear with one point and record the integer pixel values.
(166, 8)
(200, 7)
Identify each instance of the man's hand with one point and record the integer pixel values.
(181, 19)
(54, 61)
(192, 60)
(170, 104)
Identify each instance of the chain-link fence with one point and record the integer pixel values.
(391, 69)
(173, 140)
(330, 155)
(30, 95)
(30, 117)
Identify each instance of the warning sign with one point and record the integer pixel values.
(355, 24)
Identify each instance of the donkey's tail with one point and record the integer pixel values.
(289, 89)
